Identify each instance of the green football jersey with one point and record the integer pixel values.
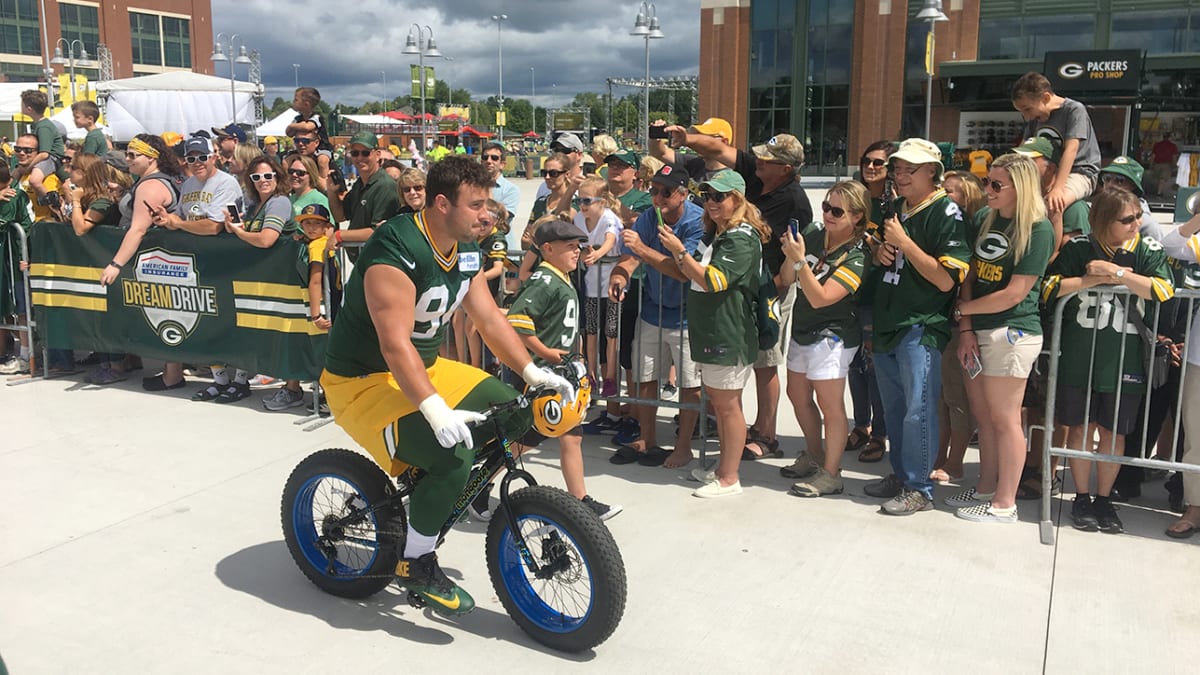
(1075, 218)
(722, 326)
(547, 307)
(441, 282)
(904, 298)
(992, 260)
(845, 266)
(1105, 318)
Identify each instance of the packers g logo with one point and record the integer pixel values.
(1070, 70)
(992, 247)
(552, 412)
(165, 287)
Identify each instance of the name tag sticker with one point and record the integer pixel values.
(468, 261)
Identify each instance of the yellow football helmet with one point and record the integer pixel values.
(553, 417)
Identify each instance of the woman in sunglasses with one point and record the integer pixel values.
(411, 185)
(268, 212)
(722, 326)
(1000, 330)
(301, 180)
(556, 172)
(1114, 254)
(826, 260)
(870, 431)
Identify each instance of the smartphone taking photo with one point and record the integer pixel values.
(235, 214)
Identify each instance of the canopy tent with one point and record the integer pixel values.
(531, 134)
(10, 98)
(398, 115)
(67, 118)
(176, 101)
(278, 125)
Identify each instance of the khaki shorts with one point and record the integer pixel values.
(954, 390)
(728, 378)
(656, 349)
(774, 357)
(1005, 354)
(1080, 186)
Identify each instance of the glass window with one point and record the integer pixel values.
(79, 22)
(145, 38)
(20, 33)
(1030, 37)
(177, 42)
(1156, 31)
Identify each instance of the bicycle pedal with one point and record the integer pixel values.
(415, 600)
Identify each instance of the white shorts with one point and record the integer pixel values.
(656, 349)
(728, 378)
(824, 360)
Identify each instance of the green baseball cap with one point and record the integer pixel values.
(1129, 168)
(725, 180)
(365, 139)
(625, 157)
(1039, 146)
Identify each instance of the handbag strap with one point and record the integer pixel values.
(1139, 321)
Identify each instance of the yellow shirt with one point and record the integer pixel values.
(980, 161)
(40, 211)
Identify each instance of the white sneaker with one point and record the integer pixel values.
(714, 490)
(15, 366)
(983, 513)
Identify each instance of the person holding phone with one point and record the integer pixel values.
(826, 261)
(1000, 330)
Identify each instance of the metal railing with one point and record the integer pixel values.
(1112, 309)
(21, 285)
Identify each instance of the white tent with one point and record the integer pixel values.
(177, 101)
(10, 98)
(67, 118)
(278, 125)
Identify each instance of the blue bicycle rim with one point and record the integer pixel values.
(520, 585)
(307, 530)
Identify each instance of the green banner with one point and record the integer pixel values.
(182, 297)
(414, 73)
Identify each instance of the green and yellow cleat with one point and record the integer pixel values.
(423, 577)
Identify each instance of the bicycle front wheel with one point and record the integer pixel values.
(576, 599)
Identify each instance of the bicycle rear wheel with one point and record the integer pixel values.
(578, 597)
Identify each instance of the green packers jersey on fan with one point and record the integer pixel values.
(993, 261)
(441, 282)
(904, 298)
(722, 326)
(1105, 318)
(547, 307)
(845, 265)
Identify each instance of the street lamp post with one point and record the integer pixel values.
(500, 19)
(931, 12)
(296, 72)
(422, 46)
(383, 76)
(449, 86)
(223, 51)
(70, 61)
(646, 27)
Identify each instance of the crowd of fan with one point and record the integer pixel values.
(928, 291)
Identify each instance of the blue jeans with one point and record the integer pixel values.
(910, 384)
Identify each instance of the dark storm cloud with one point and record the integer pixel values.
(573, 45)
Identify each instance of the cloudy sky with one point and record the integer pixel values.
(573, 45)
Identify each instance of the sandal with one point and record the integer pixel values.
(857, 439)
(873, 452)
(653, 457)
(770, 449)
(1030, 488)
(1185, 533)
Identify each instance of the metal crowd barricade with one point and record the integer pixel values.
(1106, 312)
(22, 285)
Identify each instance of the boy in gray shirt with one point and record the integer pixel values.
(1064, 121)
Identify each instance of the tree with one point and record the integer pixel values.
(520, 116)
(278, 106)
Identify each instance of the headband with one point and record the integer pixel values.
(143, 148)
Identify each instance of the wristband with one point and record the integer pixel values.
(316, 316)
(114, 264)
(337, 236)
(966, 330)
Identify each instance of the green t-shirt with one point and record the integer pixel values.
(994, 268)
(903, 298)
(636, 200)
(313, 196)
(722, 327)
(371, 201)
(1103, 317)
(441, 282)
(16, 210)
(109, 212)
(845, 266)
(95, 143)
(547, 307)
(49, 138)
(1075, 218)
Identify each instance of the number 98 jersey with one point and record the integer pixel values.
(441, 281)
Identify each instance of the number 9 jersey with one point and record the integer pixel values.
(441, 281)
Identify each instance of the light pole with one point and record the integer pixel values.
(532, 96)
(422, 46)
(449, 87)
(383, 76)
(931, 12)
(70, 61)
(646, 27)
(219, 54)
(296, 72)
(500, 19)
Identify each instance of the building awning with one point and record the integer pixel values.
(1018, 67)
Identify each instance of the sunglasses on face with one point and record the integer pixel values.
(835, 211)
(1129, 220)
(552, 173)
(304, 141)
(22, 151)
(267, 175)
(660, 192)
(193, 159)
(588, 201)
(412, 188)
(491, 158)
(874, 163)
(713, 196)
(130, 156)
(297, 172)
(359, 153)
(995, 185)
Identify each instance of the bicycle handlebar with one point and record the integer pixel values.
(521, 401)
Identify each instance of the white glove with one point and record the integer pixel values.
(542, 377)
(449, 425)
